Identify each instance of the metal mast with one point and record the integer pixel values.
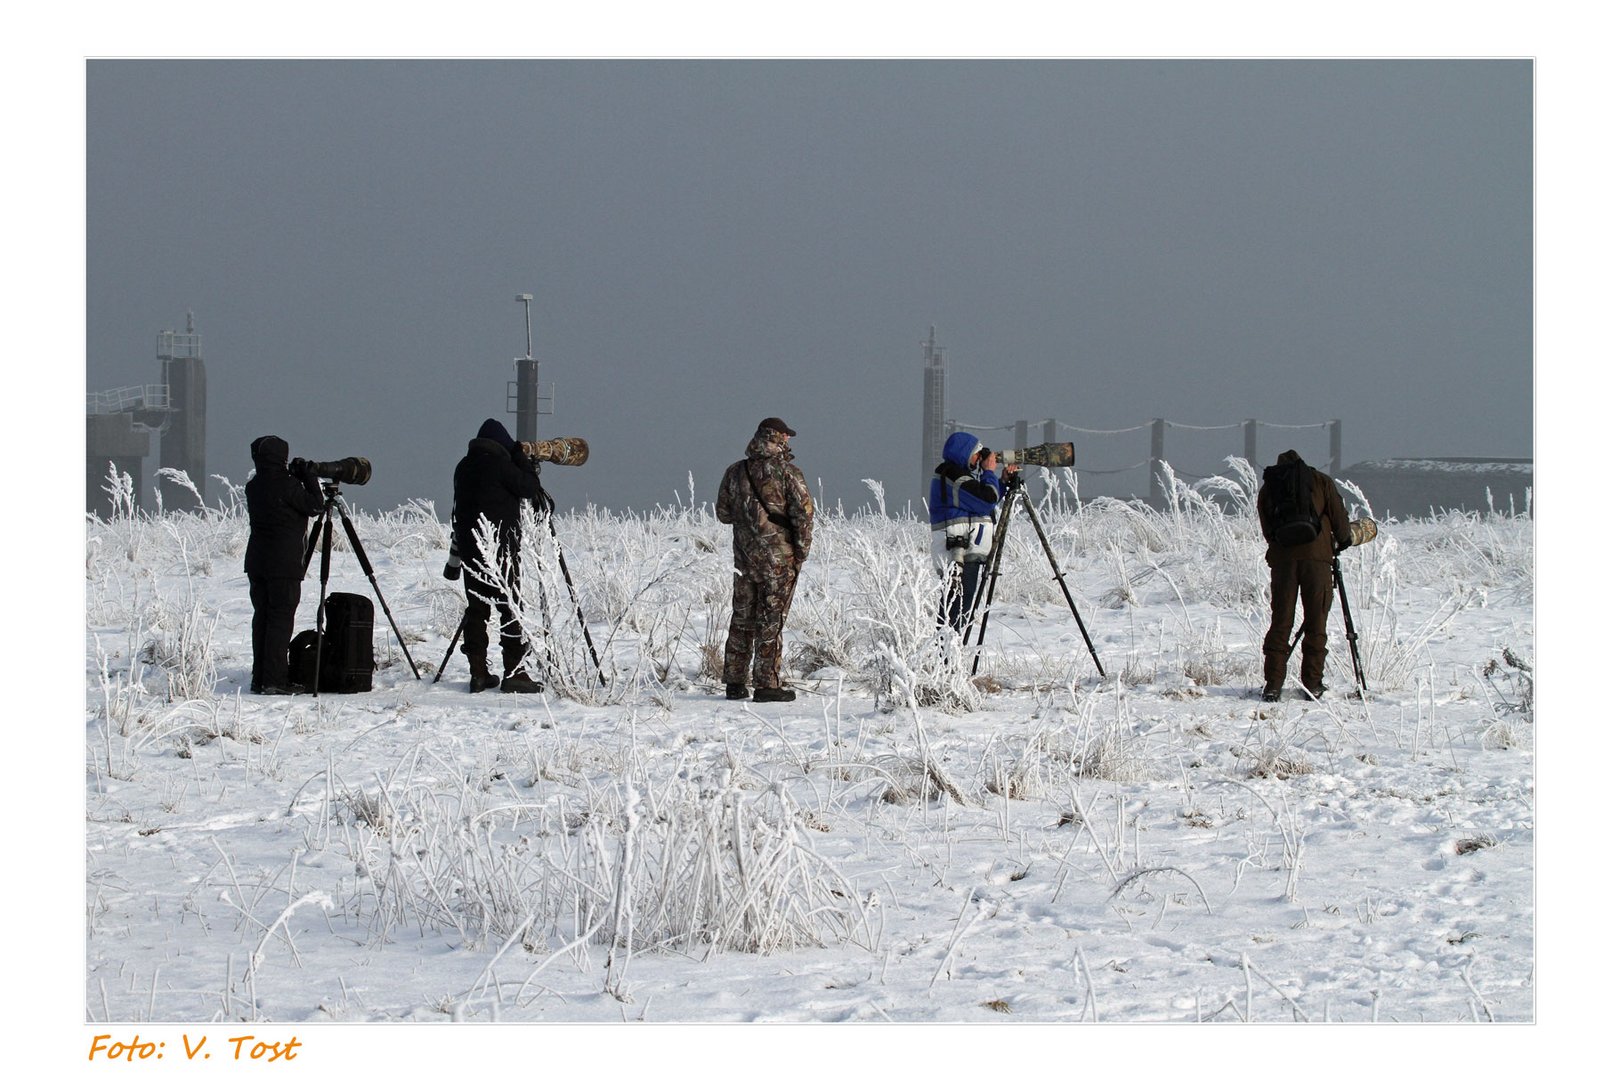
(933, 425)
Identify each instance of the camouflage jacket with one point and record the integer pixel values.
(765, 500)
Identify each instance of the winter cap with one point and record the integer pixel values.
(494, 429)
(774, 423)
(271, 449)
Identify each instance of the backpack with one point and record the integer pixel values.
(1291, 515)
(345, 649)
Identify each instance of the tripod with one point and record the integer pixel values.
(323, 530)
(546, 505)
(1015, 495)
(1349, 624)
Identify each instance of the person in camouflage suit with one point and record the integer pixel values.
(765, 500)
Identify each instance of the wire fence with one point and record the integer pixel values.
(1158, 463)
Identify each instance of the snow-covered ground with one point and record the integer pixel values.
(901, 843)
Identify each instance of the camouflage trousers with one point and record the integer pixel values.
(759, 607)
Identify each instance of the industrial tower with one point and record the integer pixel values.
(523, 396)
(933, 426)
(119, 424)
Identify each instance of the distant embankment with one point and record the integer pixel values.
(1413, 487)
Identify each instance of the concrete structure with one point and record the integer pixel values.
(183, 442)
(119, 425)
(112, 439)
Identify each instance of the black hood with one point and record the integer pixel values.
(269, 450)
(496, 431)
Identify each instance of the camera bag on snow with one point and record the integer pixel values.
(346, 658)
(1291, 513)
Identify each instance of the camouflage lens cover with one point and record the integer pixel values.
(562, 451)
(1362, 530)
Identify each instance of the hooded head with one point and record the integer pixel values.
(1288, 457)
(776, 424)
(495, 430)
(269, 450)
(961, 448)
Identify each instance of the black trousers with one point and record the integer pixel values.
(482, 601)
(275, 606)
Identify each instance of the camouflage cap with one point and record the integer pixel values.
(775, 423)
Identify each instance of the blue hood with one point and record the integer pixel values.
(960, 448)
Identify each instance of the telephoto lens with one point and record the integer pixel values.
(1051, 455)
(568, 450)
(349, 470)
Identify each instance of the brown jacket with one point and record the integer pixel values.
(1329, 507)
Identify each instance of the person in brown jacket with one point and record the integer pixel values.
(1303, 573)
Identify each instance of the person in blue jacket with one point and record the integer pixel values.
(962, 500)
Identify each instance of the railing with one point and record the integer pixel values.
(126, 399)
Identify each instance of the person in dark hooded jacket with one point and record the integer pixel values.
(1302, 574)
(280, 502)
(492, 482)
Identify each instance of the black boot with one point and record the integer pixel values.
(482, 678)
(736, 691)
(520, 683)
(773, 693)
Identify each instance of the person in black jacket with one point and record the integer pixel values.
(280, 502)
(492, 481)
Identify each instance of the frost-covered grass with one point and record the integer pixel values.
(902, 842)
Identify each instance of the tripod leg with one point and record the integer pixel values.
(997, 545)
(371, 576)
(1349, 625)
(325, 527)
(453, 639)
(579, 611)
(1064, 585)
(1297, 635)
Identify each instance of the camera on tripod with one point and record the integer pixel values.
(1049, 455)
(349, 470)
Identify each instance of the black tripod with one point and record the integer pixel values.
(1015, 495)
(546, 505)
(323, 530)
(1349, 624)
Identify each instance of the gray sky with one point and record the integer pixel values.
(712, 242)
